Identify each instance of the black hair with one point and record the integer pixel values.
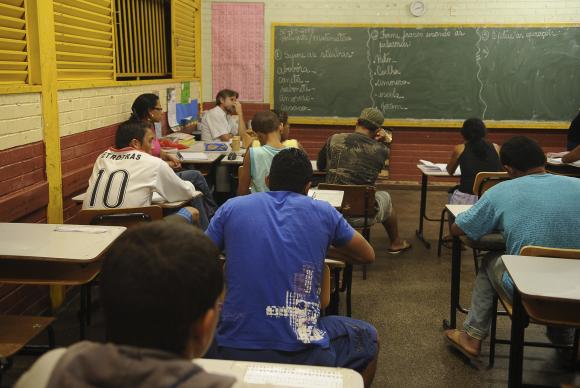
(265, 122)
(522, 153)
(129, 130)
(573, 138)
(158, 279)
(474, 132)
(367, 124)
(291, 170)
(282, 115)
(142, 105)
(223, 94)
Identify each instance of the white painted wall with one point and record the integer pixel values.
(389, 12)
(20, 119)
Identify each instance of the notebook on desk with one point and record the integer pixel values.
(333, 197)
(282, 375)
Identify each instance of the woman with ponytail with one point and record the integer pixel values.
(475, 155)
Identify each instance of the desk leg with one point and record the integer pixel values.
(422, 210)
(455, 284)
(517, 342)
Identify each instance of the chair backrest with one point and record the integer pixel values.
(358, 200)
(486, 180)
(118, 217)
(532, 250)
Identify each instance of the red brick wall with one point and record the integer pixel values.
(79, 153)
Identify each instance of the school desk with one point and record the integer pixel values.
(48, 254)
(155, 200)
(451, 323)
(545, 290)
(425, 174)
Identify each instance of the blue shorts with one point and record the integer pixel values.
(353, 345)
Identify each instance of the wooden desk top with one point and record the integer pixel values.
(457, 209)
(61, 243)
(262, 374)
(545, 277)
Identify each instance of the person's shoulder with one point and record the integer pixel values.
(459, 148)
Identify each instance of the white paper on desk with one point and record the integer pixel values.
(333, 197)
(81, 229)
(283, 376)
(558, 162)
(188, 155)
(314, 165)
(438, 166)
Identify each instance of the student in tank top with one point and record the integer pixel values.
(258, 160)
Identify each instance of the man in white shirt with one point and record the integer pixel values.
(217, 123)
(126, 175)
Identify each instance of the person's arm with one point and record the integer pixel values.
(454, 160)
(572, 156)
(171, 159)
(322, 157)
(479, 220)
(225, 137)
(171, 187)
(242, 129)
(356, 251)
(245, 177)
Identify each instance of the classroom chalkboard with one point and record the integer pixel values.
(527, 74)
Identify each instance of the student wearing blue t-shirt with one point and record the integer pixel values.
(534, 208)
(276, 243)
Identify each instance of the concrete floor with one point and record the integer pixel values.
(406, 297)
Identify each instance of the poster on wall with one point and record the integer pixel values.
(171, 101)
(238, 49)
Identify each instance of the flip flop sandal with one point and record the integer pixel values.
(406, 245)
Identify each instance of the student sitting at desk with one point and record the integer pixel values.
(161, 286)
(127, 175)
(357, 159)
(217, 124)
(276, 243)
(533, 208)
(147, 109)
(573, 145)
(475, 155)
(257, 160)
(250, 137)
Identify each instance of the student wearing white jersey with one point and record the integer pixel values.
(126, 176)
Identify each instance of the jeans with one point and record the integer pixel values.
(205, 204)
(487, 283)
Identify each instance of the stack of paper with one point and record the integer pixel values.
(434, 166)
(438, 167)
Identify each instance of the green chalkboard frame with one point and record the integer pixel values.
(428, 123)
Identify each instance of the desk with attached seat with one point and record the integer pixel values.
(545, 290)
(47, 254)
(425, 174)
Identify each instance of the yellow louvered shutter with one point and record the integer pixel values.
(184, 39)
(13, 43)
(84, 39)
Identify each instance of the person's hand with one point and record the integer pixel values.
(238, 108)
(383, 136)
(556, 154)
(172, 161)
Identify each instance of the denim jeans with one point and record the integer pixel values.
(206, 204)
(487, 283)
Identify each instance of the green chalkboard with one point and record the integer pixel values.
(428, 73)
